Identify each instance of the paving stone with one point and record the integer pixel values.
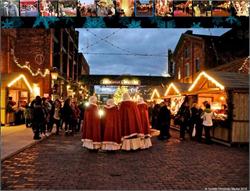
(60, 162)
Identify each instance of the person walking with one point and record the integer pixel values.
(164, 121)
(67, 114)
(155, 114)
(184, 116)
(143, 110)
(195, 122)
(91, 130)
(75, 116)
(38, 117)
(57, 115)
(207, 117)
(111, 127)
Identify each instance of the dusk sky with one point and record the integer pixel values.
(146, 49)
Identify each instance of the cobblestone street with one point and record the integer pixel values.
(61, 163)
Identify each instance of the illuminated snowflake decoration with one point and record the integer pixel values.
(159, 22)
(171, 24)
(233, 20)
(196, 25)
(44, 21)
(14, 22)
(134, 24)
(217, 21)
(125, 21)
(97, 22)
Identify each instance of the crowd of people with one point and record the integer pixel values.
(43, 113)
(191, 120)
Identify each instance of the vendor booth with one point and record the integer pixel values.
(227, 93)
(176, 93)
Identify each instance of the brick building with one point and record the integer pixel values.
(30, 57)
(195, 53)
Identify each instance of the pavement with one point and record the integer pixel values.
(14, 139)
(60, 163)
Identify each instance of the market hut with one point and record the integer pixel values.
(156, 94)
(228, 95)
(176, 92)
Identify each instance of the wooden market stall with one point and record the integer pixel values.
(228, 95)
(176, 93)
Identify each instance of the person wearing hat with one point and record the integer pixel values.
(111, 127)
(143, 109)
(132, 131)
(91, 131)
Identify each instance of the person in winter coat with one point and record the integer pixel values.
(207, 117)
(183, 115)
(38, 117)
(196, 122)
(67, 115)
(164, 121)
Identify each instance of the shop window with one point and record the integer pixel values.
(187, 70)
(197, 64)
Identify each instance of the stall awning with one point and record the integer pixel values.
(176, 88)
(214, 80)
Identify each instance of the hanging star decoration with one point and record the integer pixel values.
(196, 25)
(134, 24)
(97, 22)
(45, 21)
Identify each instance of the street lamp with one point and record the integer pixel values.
(54, 76)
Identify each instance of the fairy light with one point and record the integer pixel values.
(19, 78)
(38, 72)
(172, 86)
(204, 74)
(155, 92)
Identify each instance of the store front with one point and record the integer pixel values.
(227, 93)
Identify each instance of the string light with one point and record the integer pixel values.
(172, 86)
(155, 92)
(204, 74)
(38, 72)
(19, 78)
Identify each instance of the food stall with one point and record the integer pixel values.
(176, 92)
(227, 93)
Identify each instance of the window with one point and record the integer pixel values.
(186, 53)
(179, 73)
(187, 71)
(197, 64)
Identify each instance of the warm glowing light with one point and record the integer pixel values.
(80, 92)
(87, 104)
(19, 78)
(155, 92)
(209, 78)
(54, 75)
(222, 98)
(38, 72)
(172, 86)
(101, 112)
(36, 90)
(68, 86)
(106, 81)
